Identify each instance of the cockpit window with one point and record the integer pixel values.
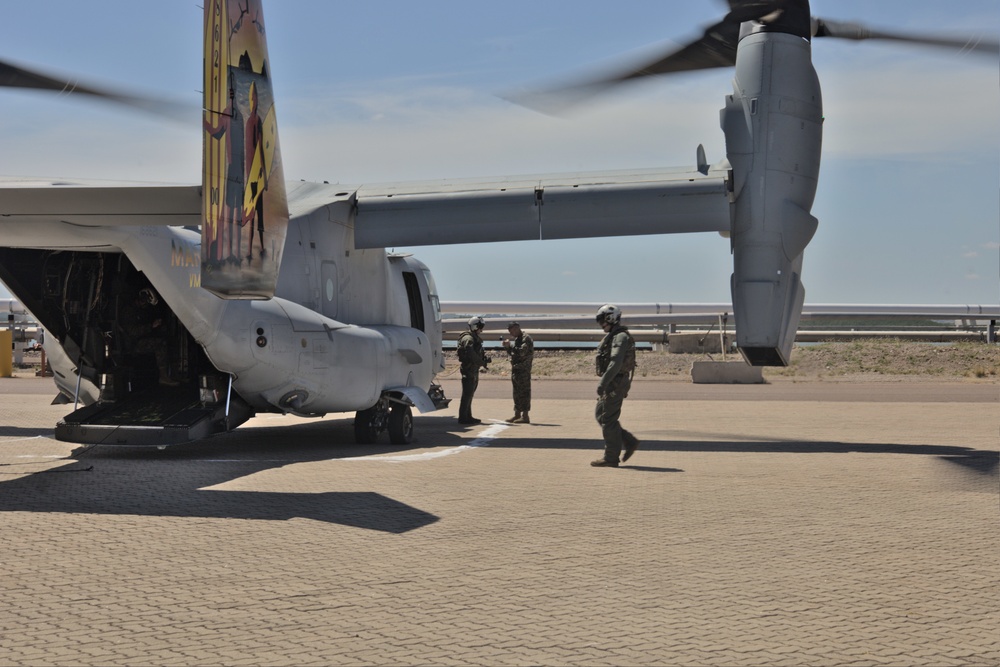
(432, 295)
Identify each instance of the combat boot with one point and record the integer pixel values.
(515, 419)
(604, 463)
(631, 444)
(524, 418)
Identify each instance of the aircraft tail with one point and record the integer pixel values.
(245, 207)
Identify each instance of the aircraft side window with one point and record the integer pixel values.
(413, 296)
(330, 288)
(432, 295)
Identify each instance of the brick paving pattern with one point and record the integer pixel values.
(743, 532)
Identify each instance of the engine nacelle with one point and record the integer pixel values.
(773, 127)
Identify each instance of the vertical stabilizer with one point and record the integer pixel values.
(245, 208)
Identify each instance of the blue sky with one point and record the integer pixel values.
(375, 91)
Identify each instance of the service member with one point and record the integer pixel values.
(472, 358)
(521, 351)
(615, 365)
(142, 320)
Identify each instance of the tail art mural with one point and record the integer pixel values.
(245, 208)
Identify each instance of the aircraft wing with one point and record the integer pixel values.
(623, 203)
(98, 205)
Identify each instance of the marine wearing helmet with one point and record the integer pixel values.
(472, 358)
(615, 365)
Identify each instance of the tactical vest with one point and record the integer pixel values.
(604, 352)
(463, 351)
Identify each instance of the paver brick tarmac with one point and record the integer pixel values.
(766, 525)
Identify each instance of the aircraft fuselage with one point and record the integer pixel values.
(345, 325)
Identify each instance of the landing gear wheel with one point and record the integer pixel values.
(400, 425)
(365, 430)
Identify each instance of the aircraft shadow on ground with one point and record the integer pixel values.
(109, 489)
(981, 461)
(174, 482)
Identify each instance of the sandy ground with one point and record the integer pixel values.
(858, 361)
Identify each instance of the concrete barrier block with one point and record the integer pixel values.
(725, 372)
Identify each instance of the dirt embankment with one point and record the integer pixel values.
(872, 359)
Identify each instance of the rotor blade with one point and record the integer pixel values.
(715, 48)
(16, 76)
(857, 31)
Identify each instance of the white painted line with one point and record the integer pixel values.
(484, 440)
(34, 437)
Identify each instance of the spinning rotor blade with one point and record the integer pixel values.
(715, 48)
(15, 76)
(857, 31)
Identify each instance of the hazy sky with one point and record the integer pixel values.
(373, 91)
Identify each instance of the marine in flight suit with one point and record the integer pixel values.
(615, 364)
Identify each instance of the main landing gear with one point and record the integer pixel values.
(387, 414)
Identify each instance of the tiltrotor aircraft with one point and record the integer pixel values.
(176, 312)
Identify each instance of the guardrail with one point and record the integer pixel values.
(949, 311)
(662, 336)
(654, 322)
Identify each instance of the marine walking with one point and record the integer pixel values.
(615, 365)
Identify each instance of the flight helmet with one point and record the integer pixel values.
(609, 314)
(148, 296)
(476, 323)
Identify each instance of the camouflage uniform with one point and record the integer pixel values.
(144, 326)
(521, 352)
(472, 358)
(615, 363)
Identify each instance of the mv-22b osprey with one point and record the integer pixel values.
(285, 300)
